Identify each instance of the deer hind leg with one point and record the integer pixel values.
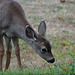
(17, 50)
(8, 51)
(1, 51)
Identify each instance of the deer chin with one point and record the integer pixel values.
(51, 61)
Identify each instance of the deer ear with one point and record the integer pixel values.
(42, 28)
(29, 32)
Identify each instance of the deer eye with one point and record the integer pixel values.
(43, 50)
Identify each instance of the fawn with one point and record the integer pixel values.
(14, 25)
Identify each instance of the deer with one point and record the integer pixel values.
(62, 1)
(14, 26)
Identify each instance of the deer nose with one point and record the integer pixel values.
(51, 61)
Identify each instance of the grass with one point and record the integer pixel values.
(64, 69)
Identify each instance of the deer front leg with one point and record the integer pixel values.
(17, 50)
(1, 52)
(8, 51)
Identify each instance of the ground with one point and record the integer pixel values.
(60, 20)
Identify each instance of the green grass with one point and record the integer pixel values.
(64, 69)
(23, 45)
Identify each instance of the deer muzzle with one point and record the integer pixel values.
(51, 61)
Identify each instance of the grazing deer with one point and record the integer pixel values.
(13, 25)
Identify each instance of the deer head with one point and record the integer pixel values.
(39, 43)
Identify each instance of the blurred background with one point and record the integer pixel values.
(60, 19)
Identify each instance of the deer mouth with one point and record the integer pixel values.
(51, 61)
